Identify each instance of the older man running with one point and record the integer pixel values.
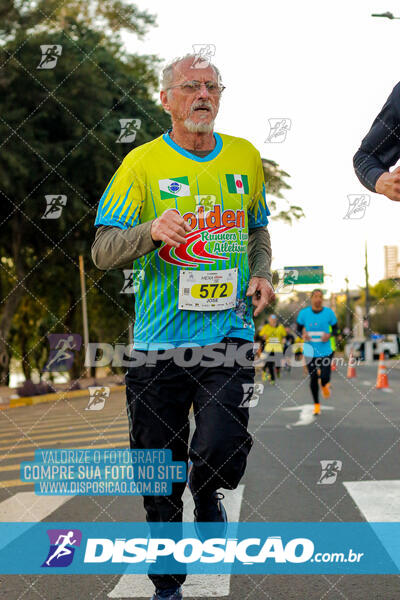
(189, 211)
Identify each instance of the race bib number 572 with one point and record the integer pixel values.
(207, 290)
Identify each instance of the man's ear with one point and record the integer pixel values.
(164, 100)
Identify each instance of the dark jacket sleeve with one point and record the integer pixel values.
(114, 248)
(259, 253)
(380, 149)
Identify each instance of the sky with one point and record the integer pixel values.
(326, 66)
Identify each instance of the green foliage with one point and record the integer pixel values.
(275, 186)
(58, 130)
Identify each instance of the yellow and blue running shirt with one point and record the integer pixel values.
(221, 196)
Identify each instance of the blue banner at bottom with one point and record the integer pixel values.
(248, 548)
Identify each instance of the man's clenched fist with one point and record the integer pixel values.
(170, 228)
(388, 184)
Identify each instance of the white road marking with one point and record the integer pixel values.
(377, 500)
(27, 507)
(200, 586)
(306, 416)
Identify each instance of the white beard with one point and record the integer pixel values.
(198, 127)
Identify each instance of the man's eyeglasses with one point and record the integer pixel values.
(190, 87)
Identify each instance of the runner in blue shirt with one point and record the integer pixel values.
(316, 324)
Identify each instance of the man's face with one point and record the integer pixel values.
(273, 321)
(196, 110)
(316, 300)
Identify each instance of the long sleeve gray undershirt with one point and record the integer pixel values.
(115, 248)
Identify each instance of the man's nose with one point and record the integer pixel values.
(203, 91)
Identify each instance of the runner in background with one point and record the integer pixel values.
(332, 341)
(289, 341)
(274, 336)
(316, 324)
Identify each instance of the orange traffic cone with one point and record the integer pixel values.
(333, 365)
(351, 369)
(382, 381)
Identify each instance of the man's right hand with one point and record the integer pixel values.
(170, 228)
(388, 184)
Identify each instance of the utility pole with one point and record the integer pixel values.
(348, 320)
(366, 324)
(84, 309)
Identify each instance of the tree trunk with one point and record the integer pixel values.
(11, 302)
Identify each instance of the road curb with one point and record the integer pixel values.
(32, 400)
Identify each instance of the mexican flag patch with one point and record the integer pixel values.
(173, 188)
(237, 184)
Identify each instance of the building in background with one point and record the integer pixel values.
(392, 267)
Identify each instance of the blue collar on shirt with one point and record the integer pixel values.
(213, 153)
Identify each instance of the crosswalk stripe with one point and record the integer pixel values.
(199, 586)
(27, 507)
(378, 501)
(18, 483)
(77, 437)
(67, 434)
(31, 452)
(49, 426)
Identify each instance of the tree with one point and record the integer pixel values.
(275, 185)
(60, 139)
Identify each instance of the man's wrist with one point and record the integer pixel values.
(157, 243)
(263, 275)
(380, 182)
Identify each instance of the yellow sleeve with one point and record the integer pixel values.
(122, 200)
(258, 210)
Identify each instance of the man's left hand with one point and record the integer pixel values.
(262, 293)
(325, 337)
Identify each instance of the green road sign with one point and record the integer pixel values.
(298, 275)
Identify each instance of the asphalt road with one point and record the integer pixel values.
(359, 426)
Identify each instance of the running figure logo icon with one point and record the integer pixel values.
(129, 129)
(278, 129)
(330, 470)
(62, 547)
(207, 201)
(50, 54)
(132, 278)
(62, 348)
(54, 206)
(203, 55)
(251, 394)
(358, 204)
(98, 397)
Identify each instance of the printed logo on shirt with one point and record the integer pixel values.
(214, 235)
(237, 184)
(174, 188)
